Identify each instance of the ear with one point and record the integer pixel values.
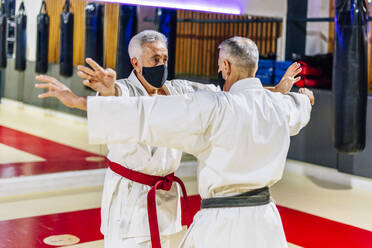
(227, 67)
(135, 64)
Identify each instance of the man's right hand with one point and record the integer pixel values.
(60, 91)
(308, 93)
(98, 79)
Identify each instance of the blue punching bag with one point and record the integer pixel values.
(127, 29)
(21, 24)
(168, 27)
(350, 78)
(3, 36)
(94, 36)
(42, 40)
(67, 41)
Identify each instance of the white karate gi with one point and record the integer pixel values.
(241, 139)
(124, 219)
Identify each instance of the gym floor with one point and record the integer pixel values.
(51, 185)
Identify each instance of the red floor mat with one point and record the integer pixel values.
(59, 157)
(302, 229)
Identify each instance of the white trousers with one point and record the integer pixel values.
(242, 227)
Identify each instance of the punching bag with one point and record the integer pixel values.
(350, 78)
(21, 23)
(94, 36)
(3, 36)
(67, 41)
(127, 29)
(168, 26)
(42, 40)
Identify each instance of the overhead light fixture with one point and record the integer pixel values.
(214, 6)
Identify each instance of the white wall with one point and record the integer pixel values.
(269, 8)
(317, 32)
(32, 10)
(272, 8)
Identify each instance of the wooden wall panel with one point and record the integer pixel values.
(197, 43)
(331, 32)
(54, 11)
(79, 30)
(111, 33)
(77, 7)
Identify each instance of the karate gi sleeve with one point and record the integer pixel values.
(180, 122)
(192, 87)
(298, 110)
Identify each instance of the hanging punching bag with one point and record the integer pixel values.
(127, 29)
(168, 27)
(21, 23)
(94, 36)
(350, 78)
(66, 42)
(42, 40)
(3, 36)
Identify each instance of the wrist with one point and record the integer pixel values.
(81, 103)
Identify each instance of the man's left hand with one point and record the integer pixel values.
(289, 79)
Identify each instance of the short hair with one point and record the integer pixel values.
(240, 51)
(147, 36)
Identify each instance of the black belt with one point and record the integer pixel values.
(255, 197)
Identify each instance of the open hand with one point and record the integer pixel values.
(98, 79)
(60, 91)
(289, 79)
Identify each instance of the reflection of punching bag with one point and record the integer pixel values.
(350, 78)
(3, 36)
(67, 41)
(94, 37)
(127, 29)
(168, 27)
(21, 23)
(42, 43)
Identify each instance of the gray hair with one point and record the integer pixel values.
(240, 51)
(147, 36)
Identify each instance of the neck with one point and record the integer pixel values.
(235, 77)
(148, 87)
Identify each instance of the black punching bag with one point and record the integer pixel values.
(3, 36)
(350, 78)
(127, 29)
(66, 42)
(168, 27)
(21, 23)
(42, 40)
(94, 36)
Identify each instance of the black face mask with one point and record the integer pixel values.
(221, 81)
(156, 76)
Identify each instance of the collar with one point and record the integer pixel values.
(134, 80)
(246, 84)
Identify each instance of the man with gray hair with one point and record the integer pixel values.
(126, 198)
(240, 136)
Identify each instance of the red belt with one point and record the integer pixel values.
(156, 182)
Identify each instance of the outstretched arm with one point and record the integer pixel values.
(298, 109)
(179, 122)
(61, 92)
(288, 80)
(98, 79)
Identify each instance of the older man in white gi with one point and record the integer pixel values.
(62, 93)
